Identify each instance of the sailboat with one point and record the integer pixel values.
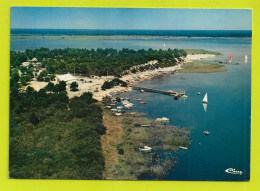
(230, 59)
(205, 99)
(246, 58)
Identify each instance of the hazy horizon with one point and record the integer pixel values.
(130, 18)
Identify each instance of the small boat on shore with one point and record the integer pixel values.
(181, 147)
(233, 171)
(142, 102)
(206, 132)
(145, 148)
(162, 119)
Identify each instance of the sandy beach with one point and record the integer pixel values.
(93, 85)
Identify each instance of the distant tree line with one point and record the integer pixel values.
(52, 137)
(99, 62)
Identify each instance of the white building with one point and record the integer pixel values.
(66, 78)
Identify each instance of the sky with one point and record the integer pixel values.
(130, 18)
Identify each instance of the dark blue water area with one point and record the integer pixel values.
(188, 33)
(217, 44)
(228, 110)
(227, 117)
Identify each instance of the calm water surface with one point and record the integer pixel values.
(228, 111)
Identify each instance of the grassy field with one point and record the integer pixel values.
(202, 67)
(201, 51)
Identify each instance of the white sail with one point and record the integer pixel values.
(246, 59)
(205, 99)
(205, 106)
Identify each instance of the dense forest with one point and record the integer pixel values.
(52, 136)
(99, 62)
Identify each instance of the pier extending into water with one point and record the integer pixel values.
(169, 92)
(219, 62)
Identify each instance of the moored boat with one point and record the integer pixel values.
(181, 147)
(142, 102)
(206, 132)
(162, 119)
(145, 148)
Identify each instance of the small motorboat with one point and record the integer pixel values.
(142, 91)
(198, 93)
(184, 96)
(138, 99)
(120, 107)
(142, 102)
(181, 147)
(129, 105)
(145, 148)
(206, 132)
(162, 119)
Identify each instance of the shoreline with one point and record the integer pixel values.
(148, 74)
(93, 85)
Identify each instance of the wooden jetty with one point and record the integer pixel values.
(218, 62)
(171, 93)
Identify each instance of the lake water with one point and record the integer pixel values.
(228, 110)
